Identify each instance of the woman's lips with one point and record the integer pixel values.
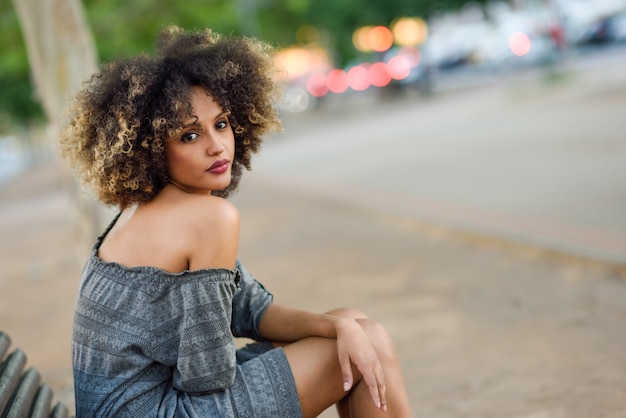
(218, 167)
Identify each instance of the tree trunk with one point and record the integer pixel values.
(62, 54)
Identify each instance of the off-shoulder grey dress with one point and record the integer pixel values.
(149, 343)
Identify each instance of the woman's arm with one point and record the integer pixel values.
(284, 324)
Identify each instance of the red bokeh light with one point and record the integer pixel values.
(399, 67)
(412, 54)
(316, 85)
(378, 74)
(519, 43)
(358, 78)
(337, 81)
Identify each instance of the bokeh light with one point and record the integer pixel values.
(380, 38)
(519, 43)
(337, 81)
(295, 62)
(409, 31)
(297, 100)
(316, 85)
(358, 78)
(360, 39)
(372, 38)
(399, 67)
(378, 75)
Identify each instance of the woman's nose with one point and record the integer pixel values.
(214, 146)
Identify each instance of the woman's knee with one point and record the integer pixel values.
(379, 338)
(376, 332)
(348, 313)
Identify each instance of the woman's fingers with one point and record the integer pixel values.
(382, 388)
(354, 348)
(374, 379)
(346, 371)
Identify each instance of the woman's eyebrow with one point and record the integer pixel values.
(194, 122)
(222, 114)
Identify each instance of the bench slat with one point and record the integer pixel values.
(42, 402)
(10, 373)
(59, 411)
(22, 394)
(5, 342)
(22, 401)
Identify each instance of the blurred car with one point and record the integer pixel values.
(609, 29)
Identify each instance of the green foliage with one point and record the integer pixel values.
(17, 99)
(123, 28)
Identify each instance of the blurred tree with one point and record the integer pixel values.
(60, 50)
(61, 55)
(123, 28)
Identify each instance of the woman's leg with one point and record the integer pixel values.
(315, 366)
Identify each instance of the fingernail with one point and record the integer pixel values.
(346, 386)
(378, 404)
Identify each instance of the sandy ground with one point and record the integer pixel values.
(484, 327)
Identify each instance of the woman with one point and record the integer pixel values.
(163, 295)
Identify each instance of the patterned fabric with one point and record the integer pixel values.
(149, 343)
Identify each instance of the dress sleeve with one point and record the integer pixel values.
(206, 350)
(249, 304)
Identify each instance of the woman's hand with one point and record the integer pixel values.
(354, 348)
(284, 324)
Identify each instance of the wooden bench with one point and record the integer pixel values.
(22, 394)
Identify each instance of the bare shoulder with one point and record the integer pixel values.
(175, 232)
(208, 228)
(208, 216)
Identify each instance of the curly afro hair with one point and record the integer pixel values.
(122, 116)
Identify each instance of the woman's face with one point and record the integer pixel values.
(200, 159)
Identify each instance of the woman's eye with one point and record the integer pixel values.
(221, 124)
(189, 137)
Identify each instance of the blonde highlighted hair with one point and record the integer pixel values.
(122, 116)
